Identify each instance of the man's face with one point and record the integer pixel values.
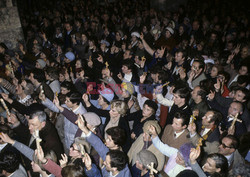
(35, 124)
(177, 125)
(125, 69)
(107, 163)
(179, 57)
(146, 137)
(64, 90)
(31, 78)
(68, 103)
(126, 54)
(68, 27)
(147, 111)
(239, 96)
(109, 142)
(178, 100)
(194, 93)
(234, 109)
(207, 118)
(74, 151)
(195, 67)
(210, 166)
(225, 147)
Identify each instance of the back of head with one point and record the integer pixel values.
(74, 97)
(118, 135)
(9, 162)
(118, 159)
(187, 173)
(73, 171)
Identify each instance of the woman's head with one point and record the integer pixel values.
(118, 107)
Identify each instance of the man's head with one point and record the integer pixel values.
(37, 76)
(115, 161)
(235, 107)
(149, 108)
(68, 26)
(73, 99)
(198, 66)
(241, 95)
(37, 121)
(116, 137)
(127, 66)
(181, 96)
(211, 118)
(180, 122)
(216, 163)
(198, 94)
(66, 87)
(228, 145)
(127, 54)
(9, 163)
(180, 56)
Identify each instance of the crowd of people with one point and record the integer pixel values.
(117, 88)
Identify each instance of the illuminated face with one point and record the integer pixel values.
(210, 166)
(178, 100)
(109, 142)
(239, 96)
(114, 113)
(243, 70)
(195, 67)
(194, 93)
(179, 57)
(68, 103)
(125, 69)
(78, 64)
(74, 151)
(61, 77)
(225, 147)
(214, 72)
(177, 125)
(234, 109)
(64, 90)
(35, 124)
(147, 111)
(207, 118)
(100, 100)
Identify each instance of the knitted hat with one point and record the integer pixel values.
(128, 87)
(185, 151)
(145, 157)
(170, 30)
(41, 62)
(92, 119)
(154, 123)
(70, 56)
(151, 104)
(136, 34)
(108, 94)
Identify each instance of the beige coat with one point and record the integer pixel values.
(137, 147)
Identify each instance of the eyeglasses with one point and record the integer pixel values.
(74, 148)
(225, 146)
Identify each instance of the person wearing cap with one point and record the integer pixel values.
(178, 158)
(69, 57)
(134, 40)
(143, 160)
(144, 141)
(40, 64)
(142, 116)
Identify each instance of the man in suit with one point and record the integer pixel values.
(208, 130)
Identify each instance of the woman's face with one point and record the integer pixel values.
(113, 113)
(61, 77)
(78, 64)
(214, 72)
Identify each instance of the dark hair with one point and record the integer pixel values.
(74, 97)
(217, 117)
(9, 161)
(163, 76)
(73, 170)
(118, 159)
(183, 92)
(225, 74)
(185, 118)
(184, 53)
(39, 75)
(235, 142)
(68, 85)
(118, 135)
(220, 162)
(201, 64)
(243, 79)
(202, 92)
(245, 92)
(7, 130)
(52, 72)
(128, 63)
(187, 173)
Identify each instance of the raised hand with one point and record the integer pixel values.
(194, 154)
(87, 161)
(152, 131)
(211, 95)
(5, 138)
(81, 124)
(63, 162)
(40, 155)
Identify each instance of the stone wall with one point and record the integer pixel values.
(10, 26)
